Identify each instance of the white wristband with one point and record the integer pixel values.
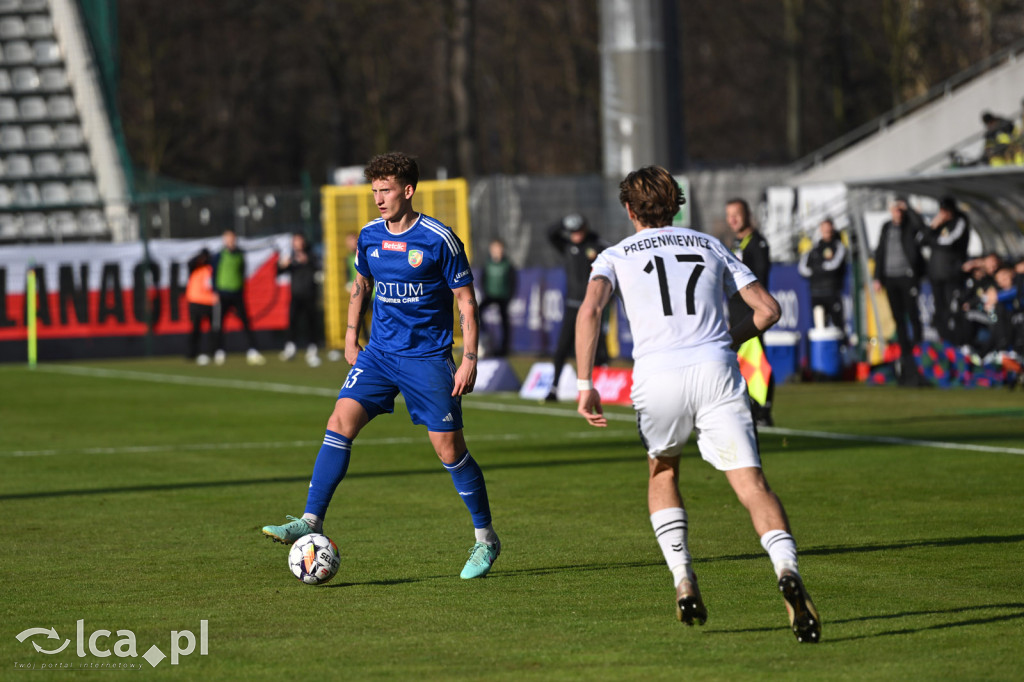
(584, 384)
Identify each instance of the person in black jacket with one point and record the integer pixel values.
(825, 266)
(899, 266)
(572, 237)
(303, 267)
(751, 248)
(948, 237)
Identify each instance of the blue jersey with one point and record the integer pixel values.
(413, 276)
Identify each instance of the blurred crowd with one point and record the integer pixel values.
(1004, 141)
(979, 302)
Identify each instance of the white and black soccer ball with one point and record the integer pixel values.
(314, 559)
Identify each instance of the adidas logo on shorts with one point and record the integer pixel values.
(447, 417)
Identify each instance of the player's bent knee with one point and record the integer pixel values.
(348, 418)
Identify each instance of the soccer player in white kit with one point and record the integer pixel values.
(673, 282)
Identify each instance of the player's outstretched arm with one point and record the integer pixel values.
(357, 303)
(766, 313)
(469, 321)
(588, 327)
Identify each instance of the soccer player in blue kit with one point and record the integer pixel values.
(417, 266)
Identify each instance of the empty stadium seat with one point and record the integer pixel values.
(39, 26)
(32, 108)
(5, 196)
(70, 135)
(92, 223)
(28, 6)
(10, 5)
(77, 163)
(8, 109)
(5, 81)
(34, 225)
(61, 106)
(12, 137)
(10, 227)
(18, 166)
(17, 52)
(46, 52)
(12, 27)
(52, 193)
(24, 79)
(26, 194)
(47, 164)
(64, 223)
(53, 79)
(84, 192)
(40, 136)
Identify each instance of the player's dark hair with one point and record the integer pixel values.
(653, 195)
(397, 165)
(744, 207)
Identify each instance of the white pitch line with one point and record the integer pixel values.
(895, 440)
(483, 404)
(200, 447)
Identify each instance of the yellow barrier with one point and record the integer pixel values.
(347, 209)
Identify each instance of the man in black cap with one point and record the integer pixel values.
(572, 237)
(948, 237)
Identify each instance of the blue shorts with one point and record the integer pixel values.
(425, 383)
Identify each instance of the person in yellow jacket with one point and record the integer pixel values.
(201, 298)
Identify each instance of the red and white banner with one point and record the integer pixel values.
(95, 290)
(614, 384)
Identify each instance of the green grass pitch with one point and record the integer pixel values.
(132, 494)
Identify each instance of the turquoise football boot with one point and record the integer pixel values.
(289, 532)
(481, 558)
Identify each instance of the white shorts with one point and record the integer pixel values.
(710, 398)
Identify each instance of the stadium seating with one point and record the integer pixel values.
(48, 187)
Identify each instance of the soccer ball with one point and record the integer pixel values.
(314, 559)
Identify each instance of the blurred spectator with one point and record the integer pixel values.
(980, 272)
(998, 136)
(201, 298)
(948, 237)
(989, 322)
(572, 237)
(499, 287)
(899, 266)
(751, 248)
(303, 267)
(229, 283)
(825, 266)
(1016, 151)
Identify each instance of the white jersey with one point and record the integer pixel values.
(672, 281)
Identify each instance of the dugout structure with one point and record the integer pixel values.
(347, 209)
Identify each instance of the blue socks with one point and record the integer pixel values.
(331, 465)
(469, 483)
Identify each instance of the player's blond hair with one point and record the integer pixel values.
(653, 195)
(397, 165)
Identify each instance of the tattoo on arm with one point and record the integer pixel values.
(469, 356)
(602, 278)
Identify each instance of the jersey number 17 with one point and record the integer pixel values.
(658, 264)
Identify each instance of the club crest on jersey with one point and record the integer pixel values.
(392, 246)
(415, 258)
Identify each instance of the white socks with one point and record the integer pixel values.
(781, 550)
(316, 524)
(670, 530)
(486, 535)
